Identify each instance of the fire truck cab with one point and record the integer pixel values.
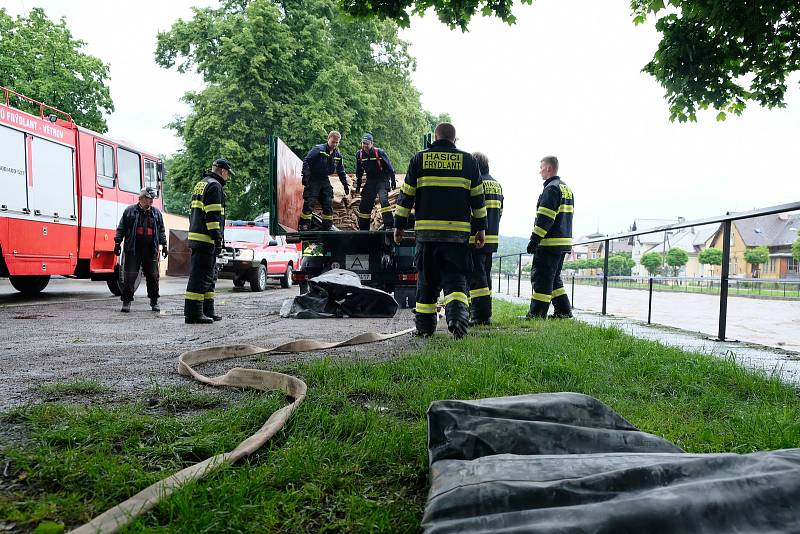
(63, 191)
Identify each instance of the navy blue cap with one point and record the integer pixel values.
(224, 164)
(367, 138)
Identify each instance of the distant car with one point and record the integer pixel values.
(254, 256)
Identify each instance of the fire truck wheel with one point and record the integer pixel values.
(258, 279)
(29, 285)
(286, 281)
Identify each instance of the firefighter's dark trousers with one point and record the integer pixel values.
(480, 288)
(318, 189)
(547, 284)
(200, 288)
(442, 267)
(147, 260)
(379, 187)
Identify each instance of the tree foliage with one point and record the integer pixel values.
(295, 69)
(676, 258)
(710, 256)
(454, 14)
(40, 59)
(721, 54)
(757, 256)
(620, 264)
(652, 262)
(796, 248)
(716, 54)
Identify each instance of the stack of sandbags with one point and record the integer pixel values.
(345, 208)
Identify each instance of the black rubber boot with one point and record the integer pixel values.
(193, 313)
(562, 308)
(208, 310)
(457, 315)
(154, 305)
(480, 312)
(425, 323)
(538, 309)
(126, 306)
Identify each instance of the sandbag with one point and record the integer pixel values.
(339, 293)
(565, 462)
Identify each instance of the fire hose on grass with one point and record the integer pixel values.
(122, 514)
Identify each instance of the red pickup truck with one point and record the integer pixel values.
(254, 256)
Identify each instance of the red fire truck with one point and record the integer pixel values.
(63, 189)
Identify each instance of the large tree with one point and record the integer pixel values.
(40, 59)
(716, 54)
(676, 258)
(757, 257)
(652, 261)
(295, 69)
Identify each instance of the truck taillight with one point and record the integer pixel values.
(412, 277)
(299, 277)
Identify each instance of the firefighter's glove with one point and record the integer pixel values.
(117, 249)
(358, 190)
(531, 247)
(217, 248)
(346, 189)
(164, 251)
(393, 183)
(305, 181)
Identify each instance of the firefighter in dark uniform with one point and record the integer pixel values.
(480, 285)
(320, 162)
(206, 237)
(443, 185)
(550, 240)
(380, 180)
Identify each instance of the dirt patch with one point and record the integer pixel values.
(131, 354)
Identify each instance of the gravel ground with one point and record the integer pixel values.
(74, 331)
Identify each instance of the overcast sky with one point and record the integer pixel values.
(565, 80)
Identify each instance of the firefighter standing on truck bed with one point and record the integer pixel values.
(380, 180)
(480, 285)
(206, 227)
(443, 185)
(320, 162)
(550, 240)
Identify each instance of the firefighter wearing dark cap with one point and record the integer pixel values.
(320, 162)
(550, 240)
(206, 227)
(380, 180)
(480, 294)
(443, 185)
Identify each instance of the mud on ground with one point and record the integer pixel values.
(80, 337)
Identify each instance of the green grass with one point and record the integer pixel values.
(746, 289)
(353, 457)
(74, 387)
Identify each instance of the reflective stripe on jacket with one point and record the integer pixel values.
(493, 194)
(320, 163)
(443, 185)
(554, 210)
(207, 215)
(375, 164)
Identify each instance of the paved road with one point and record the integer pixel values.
(74, 330)
(770, 322)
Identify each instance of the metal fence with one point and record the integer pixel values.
(721, 286)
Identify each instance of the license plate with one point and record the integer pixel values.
(365, 276)
(222, 261)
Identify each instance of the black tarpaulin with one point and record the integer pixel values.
(339, 293)
(565, 462)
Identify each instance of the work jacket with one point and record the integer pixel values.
(443, 185)
(207, 217)
(126, 229)
(554, 210)
(321, 162)
(376, 164)
(493, 194)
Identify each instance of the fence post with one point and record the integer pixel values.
(499, 273)
(519, 275)
(650, 302)
(573, 290)
(605, 276)
(723, 282)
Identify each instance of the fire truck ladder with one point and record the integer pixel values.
(52, 114)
